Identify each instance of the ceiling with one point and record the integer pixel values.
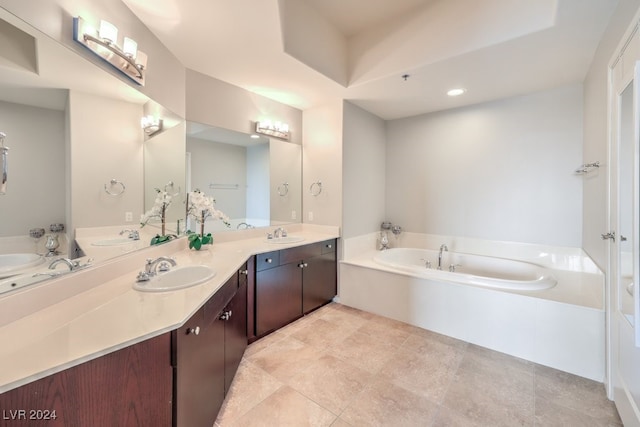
(308, 52)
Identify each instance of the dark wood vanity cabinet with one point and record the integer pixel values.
(179, 378)
(207, 350)
(129, 387)
(290, 283)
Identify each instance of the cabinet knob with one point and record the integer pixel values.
(269, 260)
(226, 315)
(193, 331)
(245, 272)
(329, 246)
(303, 265)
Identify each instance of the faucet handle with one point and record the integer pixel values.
(142, 276)
(283, 233)
(164, 266)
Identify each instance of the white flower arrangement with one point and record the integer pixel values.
(159, 208)
(200, 207)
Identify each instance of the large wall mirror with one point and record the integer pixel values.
(78, 157)
(255, 180)
(77, 153)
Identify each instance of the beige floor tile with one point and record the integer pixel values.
(378, 330)
(341, 317)
(322, 334)
(549, 414)
(263, 343)
(368, 352)
(581, 394)
(386, 404)
(449, 418)
(331, 382)
(429, 372)
(484, 393)
(286, 408)
(386, 373)
(250, 386)
(285, 358)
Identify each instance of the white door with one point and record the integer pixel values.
(624, 315)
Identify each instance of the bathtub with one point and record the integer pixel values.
(477, 270)
(542, 304)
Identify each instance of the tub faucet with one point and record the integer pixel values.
(443, 247)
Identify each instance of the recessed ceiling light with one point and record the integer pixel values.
(456, 92)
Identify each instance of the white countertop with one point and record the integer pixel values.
(84, 315)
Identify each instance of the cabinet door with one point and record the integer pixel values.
(235, 333)
(129, 387)
(319, 281)
(199, 371)
(278, 297)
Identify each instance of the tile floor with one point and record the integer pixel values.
(343, 367)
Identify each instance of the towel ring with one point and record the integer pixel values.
(114, 182)
(285, 190)
(315, 189)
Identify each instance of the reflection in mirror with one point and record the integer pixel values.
(626, 158)
(76, 152)
(256, 181)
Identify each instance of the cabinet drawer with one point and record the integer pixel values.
(328, 246)
(300, 253)
(267, 260)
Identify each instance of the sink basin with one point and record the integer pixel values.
(18, 282)
(113, 242)
(287, 239)
(178, 278)
(11, 263)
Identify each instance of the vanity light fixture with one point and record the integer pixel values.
(104, 43)
(277, 129)
(456, 92)
(151, 124)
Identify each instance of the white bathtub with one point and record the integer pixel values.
(477, 270)
(546, 305)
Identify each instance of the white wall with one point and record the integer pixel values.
(258, 186)
(322, 162)
(106, 143)
(214, 102)
(36, 168)
(364, 171)
(501, 170)
(285, 167)
(224, 165)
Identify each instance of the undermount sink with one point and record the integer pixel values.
(286, 239)
(11, 263)
(112, 242)
(178, 278)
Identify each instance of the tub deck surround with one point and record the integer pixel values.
(72, 319)
(562, 327)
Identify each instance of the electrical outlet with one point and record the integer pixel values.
(310, 216)
(128, 216)
(294, 214)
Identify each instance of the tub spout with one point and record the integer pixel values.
(443, 247)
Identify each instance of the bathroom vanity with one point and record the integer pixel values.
(111, 355)
(290, 283)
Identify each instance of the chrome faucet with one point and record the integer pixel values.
(71, 264)
(443, 247)
(151, 268)
(133, 234)
(279, 232)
